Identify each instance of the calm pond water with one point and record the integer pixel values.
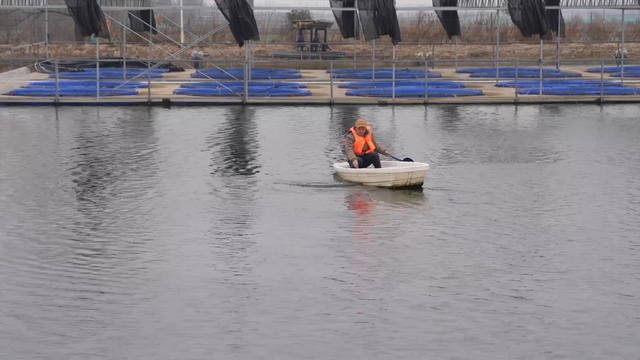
(221, 233)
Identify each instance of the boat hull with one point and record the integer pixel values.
(393, 174)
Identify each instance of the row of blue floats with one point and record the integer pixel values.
(408, 89)
(238, 74)
(383, 73)
(111, 73)
(81, 88)
(234, 89)
(570, 88)
(617, 71)
(512, 73)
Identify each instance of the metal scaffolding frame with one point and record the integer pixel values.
(463, 5)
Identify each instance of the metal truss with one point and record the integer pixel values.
(462, 5)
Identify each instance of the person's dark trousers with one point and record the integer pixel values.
(365, 160)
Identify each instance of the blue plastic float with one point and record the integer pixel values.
(511, 69)
(630, 74)
(414, 92)
(214, 84)
(614, 69)
(358, 70)
(86, 83)
(386, 75)
(107, 75)
(71, 92)
(238, 92)
(526, 75)
(555, 83)
(240, 75)
(120, 70)
(241, 70)
(568, 91)
(378, 84)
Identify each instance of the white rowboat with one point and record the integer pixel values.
(392, 174)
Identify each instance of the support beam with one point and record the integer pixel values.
(46, 33)
(497, 65)
(181, 25)
(123, 53)
(558, 40)
(622, 63)
(373, 64)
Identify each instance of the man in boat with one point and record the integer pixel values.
(360, 147)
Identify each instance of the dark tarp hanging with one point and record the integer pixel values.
(347, 20)
(139, 21)
(448, 18)
(241, 20)
(88, 17)
(555, 17)
(530, 17)
(378, 17)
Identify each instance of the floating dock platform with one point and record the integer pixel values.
(322, 92)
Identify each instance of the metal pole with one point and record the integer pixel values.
(149, 79)
(150, 43)
(433, 56)
(97, 68)
(373, 64)
(246, 60)
(393, 75)
(540, 62)
(426, 81)
(246, 82)
(456, 53)
(181, 24)
(355, 31)
(497, 45)
(331, 80)
(56, 71)
(622, 67)
(558, 41)
(124, 46)
(601, 80)
(46, 32)
(516, 81)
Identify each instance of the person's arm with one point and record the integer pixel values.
(348, 148)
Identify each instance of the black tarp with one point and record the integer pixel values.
(88, 17)
(448, 18)
(242, 23)
(378, 17)
(530, 17)
(555, 16)
(347, 20)
(139, 21)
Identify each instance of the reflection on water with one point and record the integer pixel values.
(235, 146)
(362, 198)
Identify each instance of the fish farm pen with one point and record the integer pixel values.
(128, 52)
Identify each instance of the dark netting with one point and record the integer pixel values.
(387, 20)
(530, 17)
(555, 18)
(378, 17)
(448, 18)
(139, 21)
(241, 20)
(347, 20)
(88, 17)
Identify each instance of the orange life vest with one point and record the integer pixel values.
(359, 142)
